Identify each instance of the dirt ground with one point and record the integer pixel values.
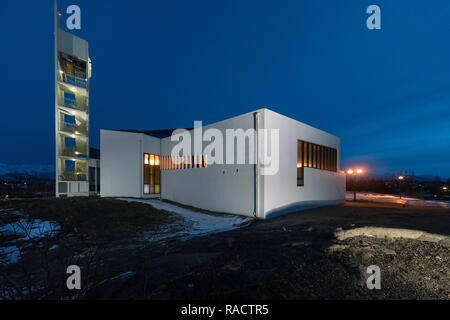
(296, 256)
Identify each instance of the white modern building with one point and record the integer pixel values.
(142, 164)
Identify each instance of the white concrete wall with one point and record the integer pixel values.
(121, 162)
(281, 193)
(219, 187)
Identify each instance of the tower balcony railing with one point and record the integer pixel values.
(71, 99)
(72, 146)
(77, 154)
(72, 170)
(78, 127)
(71, 176)
(76, 79)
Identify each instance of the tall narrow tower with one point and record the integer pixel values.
(72, 74)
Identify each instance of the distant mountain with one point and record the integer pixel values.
(10, 171)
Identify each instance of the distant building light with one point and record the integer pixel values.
(401, 177)
(359, 171)
(350, 171)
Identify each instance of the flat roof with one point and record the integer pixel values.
(160, 133)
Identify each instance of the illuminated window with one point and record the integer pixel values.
(314, 156)
(152, 174)
(300, 168)
(185, 162)
(305, 154)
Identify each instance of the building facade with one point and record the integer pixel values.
(72, 74)
(141, 164)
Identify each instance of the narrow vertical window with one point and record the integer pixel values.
(304, 155)
(309, 155)
(314, 156)
(146, 174)
(324, 160)
(300, 168)
(152, 173)
(157, 175)
(330, 159)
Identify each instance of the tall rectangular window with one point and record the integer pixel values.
(319, 157)
(310, 155)
(152, 174)
(314, 156)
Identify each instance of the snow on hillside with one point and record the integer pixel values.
(194, 223)
(23, 230)
(379, 197)
(27, 169)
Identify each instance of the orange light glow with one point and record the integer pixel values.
(401, 177)
(359, 171)
(350, 171)
(444, 188)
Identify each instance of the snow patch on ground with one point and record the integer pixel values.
(24, 230)
(194, 223)
(30, 229)
(379, 197)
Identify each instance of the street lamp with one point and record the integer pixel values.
(444, 188)
(358, 172)
(400, 178)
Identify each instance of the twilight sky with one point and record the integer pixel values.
(164, 64)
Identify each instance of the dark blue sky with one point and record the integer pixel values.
(163, 64)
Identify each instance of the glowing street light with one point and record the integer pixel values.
(358, 171)
(400, 178)
(444, 188)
